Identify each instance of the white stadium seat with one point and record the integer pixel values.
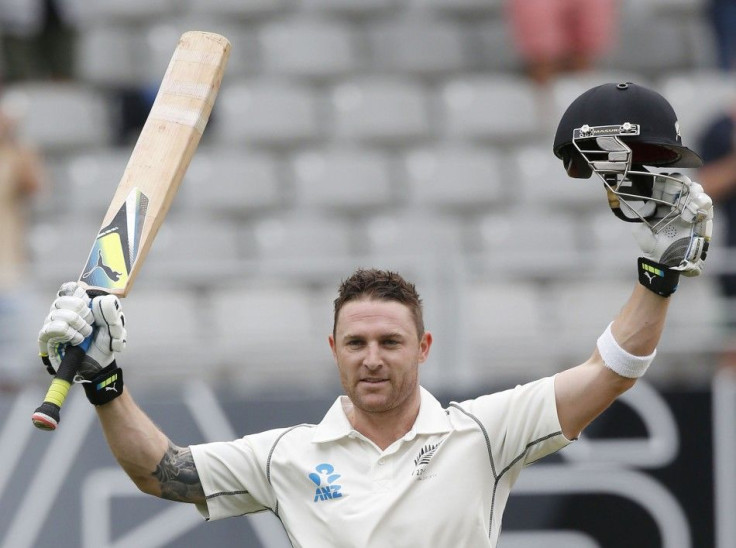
(544, 183)
(269, 112)
(307, 48)
(267, 335)
(345, 179)
(231, 181)
(418, 45)
(455, 177)
(382, 110)
(107, 56)
(498, 107)
(687, 92)
(60, 117)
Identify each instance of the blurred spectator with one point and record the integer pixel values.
(722, 15)
(21, 176)
(38, 39)
(558, 36)
(717, 147)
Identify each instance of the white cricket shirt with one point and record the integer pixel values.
(445, 483)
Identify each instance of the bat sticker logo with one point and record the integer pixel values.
(109, 272)
(116, 248)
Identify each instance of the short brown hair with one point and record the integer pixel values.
(381, 285)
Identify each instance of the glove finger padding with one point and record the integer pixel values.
(678, 241)
(110, 335)
(69, 322)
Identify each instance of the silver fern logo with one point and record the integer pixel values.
(423, 459)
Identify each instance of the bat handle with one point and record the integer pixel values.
(47, 417)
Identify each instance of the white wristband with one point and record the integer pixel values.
(619, 360)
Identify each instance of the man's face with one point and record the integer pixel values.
(378, 352)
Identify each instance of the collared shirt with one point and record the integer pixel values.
(444, 483)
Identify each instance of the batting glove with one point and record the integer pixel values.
(676, 239)
(73, 317)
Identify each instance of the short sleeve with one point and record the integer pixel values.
(521, 423)
(233, 475)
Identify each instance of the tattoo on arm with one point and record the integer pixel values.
(178, 476)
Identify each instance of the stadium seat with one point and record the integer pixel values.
(303, 47)
(191, 252)
(418, 45)
(343, 179)
(93, 178)
(695, 319)
(495, 50)
(380, 110)
(649, 45)
(544, 183)
(582, 310)
(131, 11)
(266, 112)
(234, 182)
(237, 9)
(527, 243)
(58, 247)
(497, 107)
(271, 335)
(507, 331)
(404, 239)
(169, 335)
(354, 8)
(609, 245)
(302, 246)
(686, 91)
(106, 56)
(455, 177)
(60, 117)
(462, 7)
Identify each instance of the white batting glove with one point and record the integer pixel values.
(74, 317)
(678, 236)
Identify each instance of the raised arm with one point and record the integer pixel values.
(153, 462)
(155, 465)
(627, 347)
(585, 391)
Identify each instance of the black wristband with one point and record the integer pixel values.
(106, 386)
(657, 277)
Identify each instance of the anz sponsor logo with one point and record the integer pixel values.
(324, 478)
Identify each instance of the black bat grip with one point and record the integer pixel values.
(47, 416)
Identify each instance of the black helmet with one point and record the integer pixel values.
(640, 118)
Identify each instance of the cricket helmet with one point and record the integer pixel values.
(614, 130)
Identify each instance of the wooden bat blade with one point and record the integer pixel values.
(159, 160)
(149, 183)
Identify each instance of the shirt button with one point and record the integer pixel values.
(380, 462)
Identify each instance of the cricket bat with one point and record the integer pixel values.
(149, 183)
